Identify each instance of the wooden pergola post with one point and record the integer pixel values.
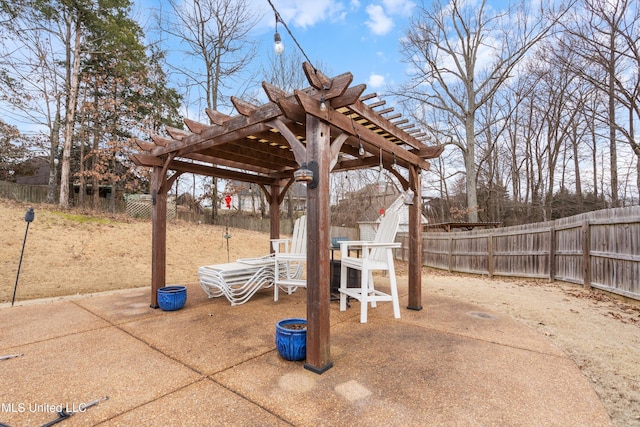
(318, 283)
(159, 232)
(415, 241)
(274, 213)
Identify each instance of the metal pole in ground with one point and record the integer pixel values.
(28, 217)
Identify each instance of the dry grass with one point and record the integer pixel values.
(68, 253)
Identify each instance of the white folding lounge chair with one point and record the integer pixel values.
(376, 255)
(239, 281)
(290, 256)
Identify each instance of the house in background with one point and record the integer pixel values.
(34, 171)
(250, 198)
(367, 229)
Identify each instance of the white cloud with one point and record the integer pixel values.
(379, 23)
(398, 7)
(308, 13)
(375, 81)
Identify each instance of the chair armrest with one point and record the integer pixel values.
(365, 247)
(290, 257)
(275, 244)
(391, 245)
(344, 246)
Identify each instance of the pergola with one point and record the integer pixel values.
(325, 127)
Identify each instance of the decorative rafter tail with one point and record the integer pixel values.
(368, 96)
(430, 152)
(175, 133)
(244, 108)
(195, 127)
(376, 104)
(315, 77)
(144, 145)
(339, 85)
(216, 117)
(145, 160)
(274, 93)
(159, 140)
(349, 96)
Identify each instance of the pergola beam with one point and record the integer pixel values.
(342, 122)
(177, 165)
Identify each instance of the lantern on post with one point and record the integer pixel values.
(28, 217)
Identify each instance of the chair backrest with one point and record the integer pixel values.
(386, 233)
(299, 238)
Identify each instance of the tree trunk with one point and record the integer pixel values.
(53, 157)
(613, 155)
(72, 99)
(471, 169)
(576, 166)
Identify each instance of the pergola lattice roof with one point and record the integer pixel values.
(260, 143)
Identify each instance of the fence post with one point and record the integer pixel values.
(490, 255)
(586, 254)
(552, 254)
(450, 253)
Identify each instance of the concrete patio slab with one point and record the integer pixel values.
(202, 403)
(393, 373)
(84, 366)
(209, 363)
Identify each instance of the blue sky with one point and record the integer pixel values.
(350, 35)
(358, 36)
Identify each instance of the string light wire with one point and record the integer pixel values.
(284, 24)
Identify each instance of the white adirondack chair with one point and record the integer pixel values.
(290, 258)
(375, 255)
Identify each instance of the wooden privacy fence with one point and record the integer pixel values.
(22, 192)
(599, 249)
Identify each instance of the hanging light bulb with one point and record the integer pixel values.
(277, 40)
(323, 104)
(382, 182)
(277, 45)
(361, 150)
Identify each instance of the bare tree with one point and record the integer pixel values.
(558, 103)
(462, 53)
(215, 34)
(33, 84)
(604, 33)
(285, 71)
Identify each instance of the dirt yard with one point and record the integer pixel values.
(67, 253)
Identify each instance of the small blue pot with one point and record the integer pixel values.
(291, 338)
(171, 298)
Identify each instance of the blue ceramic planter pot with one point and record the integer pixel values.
(291, 338)
(171, 298)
